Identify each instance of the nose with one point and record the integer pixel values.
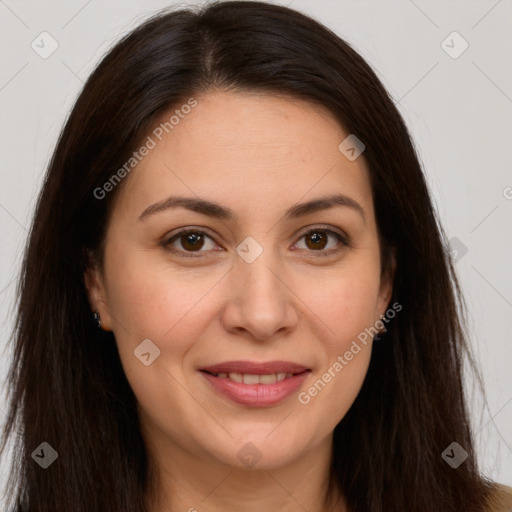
(260, 301)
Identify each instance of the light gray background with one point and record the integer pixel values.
(458, 111)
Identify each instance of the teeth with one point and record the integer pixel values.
(251, 379)
(267, 379)
(247, 378)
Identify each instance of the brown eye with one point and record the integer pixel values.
(192, 241)
(316, 240)
(188, 241)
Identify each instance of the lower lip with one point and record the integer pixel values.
(257, 395)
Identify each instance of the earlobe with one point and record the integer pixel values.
(386, 290)
(96, 294)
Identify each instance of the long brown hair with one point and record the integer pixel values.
(66, 383)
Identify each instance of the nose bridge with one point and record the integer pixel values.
(259, 301)
(253, 267)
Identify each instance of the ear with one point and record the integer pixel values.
(386, 286)
(96, 292)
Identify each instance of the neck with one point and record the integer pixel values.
(183, 481)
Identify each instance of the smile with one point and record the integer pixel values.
(256, 390)
(248, 378)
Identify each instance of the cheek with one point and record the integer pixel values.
(330, 396)
(141, 296)
(170, 308)
(346, 305)
(150, 299)
(345, 301)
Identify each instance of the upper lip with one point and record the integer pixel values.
(255, 368)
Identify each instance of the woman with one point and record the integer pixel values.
(236, 293)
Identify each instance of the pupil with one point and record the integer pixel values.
(191, 240)
(317, 238)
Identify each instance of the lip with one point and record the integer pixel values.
(255, 368)
(256, 395)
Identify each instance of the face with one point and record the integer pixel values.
(257, 279)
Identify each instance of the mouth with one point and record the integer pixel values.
(248, 378)
(256, 384)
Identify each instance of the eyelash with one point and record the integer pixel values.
(342, 238)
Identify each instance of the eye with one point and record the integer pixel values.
(317, 239)
(190, 240)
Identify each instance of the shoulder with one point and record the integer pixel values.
(500, 499)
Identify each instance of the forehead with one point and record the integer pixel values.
(253, 126)
(247, 149)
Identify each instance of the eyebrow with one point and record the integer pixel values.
(220, 212)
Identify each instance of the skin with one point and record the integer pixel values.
(258, 155)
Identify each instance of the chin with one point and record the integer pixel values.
(257, 452)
